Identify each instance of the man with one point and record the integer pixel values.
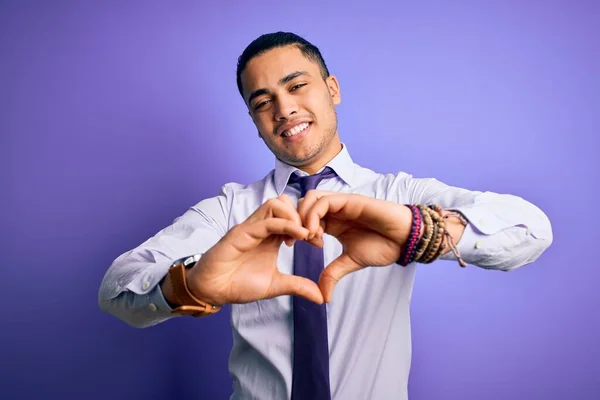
(301, 330)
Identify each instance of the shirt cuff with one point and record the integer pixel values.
(470, 246)
(495, 240)
(158, 303)
(477, 243)
(147, 287)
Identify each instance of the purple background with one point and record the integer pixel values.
(114, 118)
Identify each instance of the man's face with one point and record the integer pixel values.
(292, 107)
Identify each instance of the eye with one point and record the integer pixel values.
(298, 86)
(261, 104)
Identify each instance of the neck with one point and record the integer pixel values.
(313, 166)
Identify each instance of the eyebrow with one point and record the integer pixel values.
(282, 81)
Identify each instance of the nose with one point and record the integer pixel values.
(285, 107)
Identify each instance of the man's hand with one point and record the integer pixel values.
(242, 266)
(371, 231)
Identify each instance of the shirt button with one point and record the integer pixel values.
(146, 285)
(478, 245)
(118, 288)
(152, 307)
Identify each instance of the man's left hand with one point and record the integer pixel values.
(371, 231)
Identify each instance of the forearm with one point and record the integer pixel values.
(136, 288)
(139, 310)
(503, 231)
(145, 301)
(425, 232)
(131, 291)
(167, 291)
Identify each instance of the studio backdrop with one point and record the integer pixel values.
(116, 117)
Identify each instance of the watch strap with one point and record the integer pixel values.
(187, 303)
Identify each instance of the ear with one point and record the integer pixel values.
(334, 89)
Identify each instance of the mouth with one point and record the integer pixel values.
(297, 132)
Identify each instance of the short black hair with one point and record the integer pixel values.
(269, 41)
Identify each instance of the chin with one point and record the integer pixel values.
(302, 158)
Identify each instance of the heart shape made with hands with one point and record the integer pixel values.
(371, 231)
(242, 266)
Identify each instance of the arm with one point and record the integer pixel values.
(131, 289)
(237, 265)
(504, 232)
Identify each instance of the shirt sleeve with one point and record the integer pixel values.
(130, 289)
(504, 232)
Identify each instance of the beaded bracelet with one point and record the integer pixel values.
(427, 235)
(436, 237)
(434, 243)
(447, 235)
(410, 247)
(453, 246)
(438, 245)
(413, 248)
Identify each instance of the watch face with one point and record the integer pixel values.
(188, 262)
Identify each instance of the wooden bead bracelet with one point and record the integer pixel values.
(436, 237)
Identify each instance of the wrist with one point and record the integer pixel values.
(455, 226)
(402, 219)
(433, 232)
(196, 284)
(179, 289)
(166, 287)
(193, 282)
(413, 225)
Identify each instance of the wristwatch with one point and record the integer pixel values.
(186, 303)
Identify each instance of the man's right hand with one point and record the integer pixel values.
(242, 266)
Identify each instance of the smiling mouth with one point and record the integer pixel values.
(296, 130)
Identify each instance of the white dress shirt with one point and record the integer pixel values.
(368, 317)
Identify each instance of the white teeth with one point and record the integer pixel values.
(296, 130)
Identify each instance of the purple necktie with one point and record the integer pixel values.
(310, 379)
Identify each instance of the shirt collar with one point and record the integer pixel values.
(342, 164)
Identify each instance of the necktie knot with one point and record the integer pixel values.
(311, 182)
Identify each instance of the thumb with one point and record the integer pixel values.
(335, 271)
(293, 285)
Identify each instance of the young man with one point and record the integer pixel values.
(327, 315)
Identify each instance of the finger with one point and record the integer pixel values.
(336, 270)
(288, 240)
(291, 206)
(290, 203)
(316, 241)
(308, 201)
(321, 207)
(296, 286)
(252, 235)
(278, 207)
(284, 207)
(299, 206)
(280, 226)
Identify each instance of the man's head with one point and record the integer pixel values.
(291, 98)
